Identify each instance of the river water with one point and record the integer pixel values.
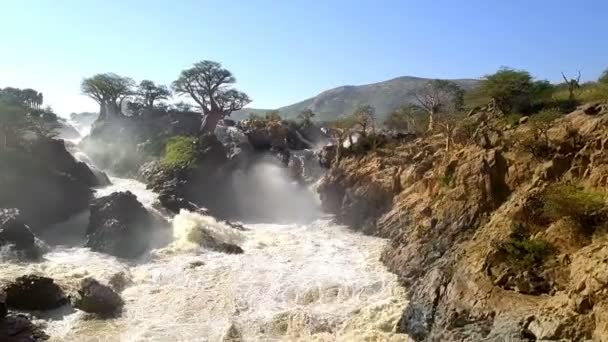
(313, 281)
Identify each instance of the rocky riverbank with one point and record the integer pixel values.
(501, 236)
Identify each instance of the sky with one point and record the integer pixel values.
(282, 52)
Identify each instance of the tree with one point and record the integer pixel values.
(408, 118)
(273, 115)
(509, 89)
(149, 92)
(22, 97)
(573, 85)
(439, 96)
(13, 122)
(109, 90)
(365, 117)
(208, 84)
(341, 129)
(603, 77)
(306, 116)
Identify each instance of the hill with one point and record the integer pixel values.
(383, 96)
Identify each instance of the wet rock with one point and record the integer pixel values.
(119, 281)
(3, 309)
(229, 248)
(233, 334)
(593, 108)
(45, 182)
(196, 264)
(31, 292)
(94, 297)
(19, 328)
(15, 233)
(119, 225)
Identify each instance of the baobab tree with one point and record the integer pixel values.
(573, 85)
(365, 117)
(149, 93)
(209, 85)
(109, 90)
(438, 96)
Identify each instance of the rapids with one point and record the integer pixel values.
(296, 281)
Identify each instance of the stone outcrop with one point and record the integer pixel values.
(18, 235)
(119, 225)
(19, 328)
(31, 292)
(96, 298)
(44, 182)
(453, 218)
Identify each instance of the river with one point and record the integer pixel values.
(295, 282)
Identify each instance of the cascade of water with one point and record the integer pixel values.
(308, 281)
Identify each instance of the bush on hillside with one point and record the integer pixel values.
(586, 206)
(180, 152)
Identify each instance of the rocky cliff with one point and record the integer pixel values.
(502, 236)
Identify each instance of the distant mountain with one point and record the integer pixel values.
(383, 96)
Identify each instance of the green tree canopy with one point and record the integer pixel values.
(109, 90)
(148, 93)
(603, 77)
(512, 90)
(305, 117)
(209, 85)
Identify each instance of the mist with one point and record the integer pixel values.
(266, 193)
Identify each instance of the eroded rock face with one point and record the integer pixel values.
(3, 308)
(94, 297)
(31, 292)
(19, 328)
(45, 183)
(448, 217)
(119, 225)
(18, 235)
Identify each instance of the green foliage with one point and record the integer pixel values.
(525, 253)
(148, 92)
(447, 180)
(512, 119)
(511, 89)
(305, 117)
(273, 115)
(586, 206)
(21, 97)
(603, 79)
(180, 152)
(407, 118)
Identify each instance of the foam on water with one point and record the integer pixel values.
(298, 282)
(294, 282)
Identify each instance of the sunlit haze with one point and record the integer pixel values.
(285, 51)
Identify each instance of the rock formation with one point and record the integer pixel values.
(475, 234)
(119, 225)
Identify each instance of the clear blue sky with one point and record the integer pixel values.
(285, 51)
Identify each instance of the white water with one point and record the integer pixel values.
(315, 281)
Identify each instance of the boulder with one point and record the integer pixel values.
(119, 225)
(19, 328)
(31, 292)
(45, 183)
(3, 309)
(94, 297)
(17, 234)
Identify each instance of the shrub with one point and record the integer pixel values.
(180, 151)
(586, 206)
(524, 253)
